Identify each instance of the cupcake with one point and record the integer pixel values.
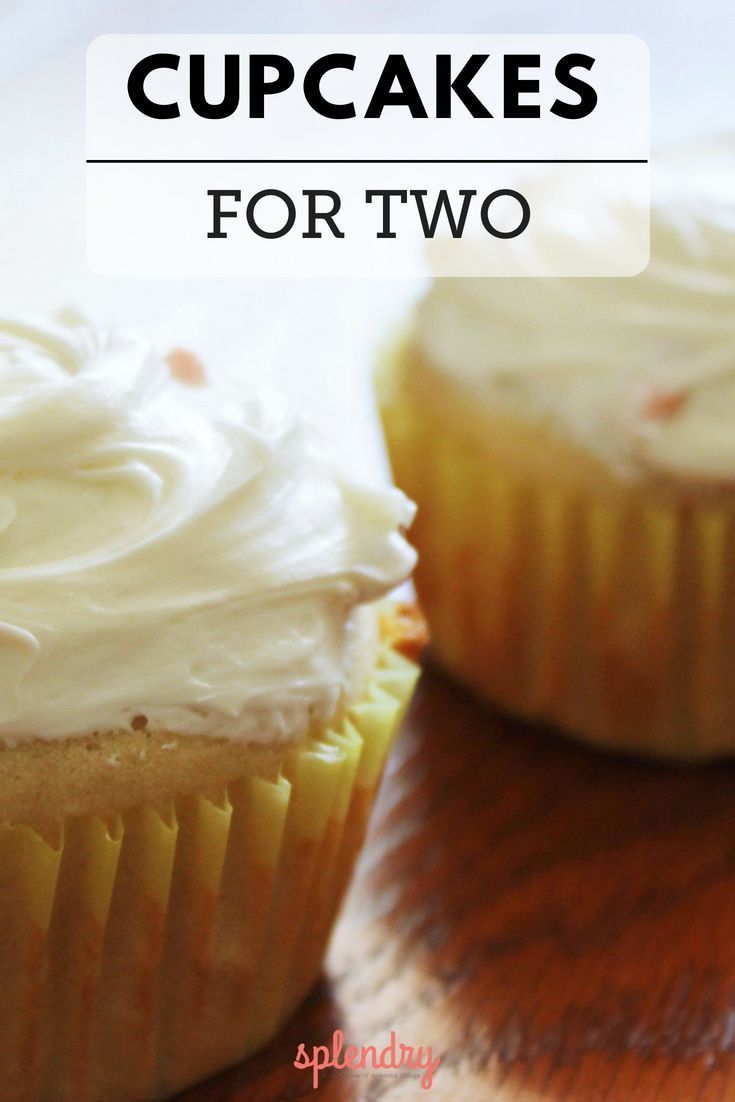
(199, 680)
(570, 445)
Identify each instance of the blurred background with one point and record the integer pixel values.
(314, 338)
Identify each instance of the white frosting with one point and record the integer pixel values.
(183, 553)
(641, 371)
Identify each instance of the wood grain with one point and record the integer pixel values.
(557, 924)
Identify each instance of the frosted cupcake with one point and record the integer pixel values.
(198, 686)
(571, 447)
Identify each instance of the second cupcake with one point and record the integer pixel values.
(570, 444)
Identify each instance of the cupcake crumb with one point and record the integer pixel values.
(405, 630)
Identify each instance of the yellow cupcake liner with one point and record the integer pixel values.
(610, 616)
(140, 956)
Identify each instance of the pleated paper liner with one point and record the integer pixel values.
(139, 957)
(609, 616)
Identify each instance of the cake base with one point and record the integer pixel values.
(602, 607)
(144, 950)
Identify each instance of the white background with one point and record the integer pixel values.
(315, 338)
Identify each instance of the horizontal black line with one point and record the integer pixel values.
(366, 161)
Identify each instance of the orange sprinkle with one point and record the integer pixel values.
(664, 403)
(186, 367)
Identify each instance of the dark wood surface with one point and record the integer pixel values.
(557, 924)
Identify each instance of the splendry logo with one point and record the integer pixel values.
(395, 1056)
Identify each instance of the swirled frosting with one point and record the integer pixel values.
(641, 370)
(187, 554)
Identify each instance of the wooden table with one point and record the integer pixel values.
(557, 924)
